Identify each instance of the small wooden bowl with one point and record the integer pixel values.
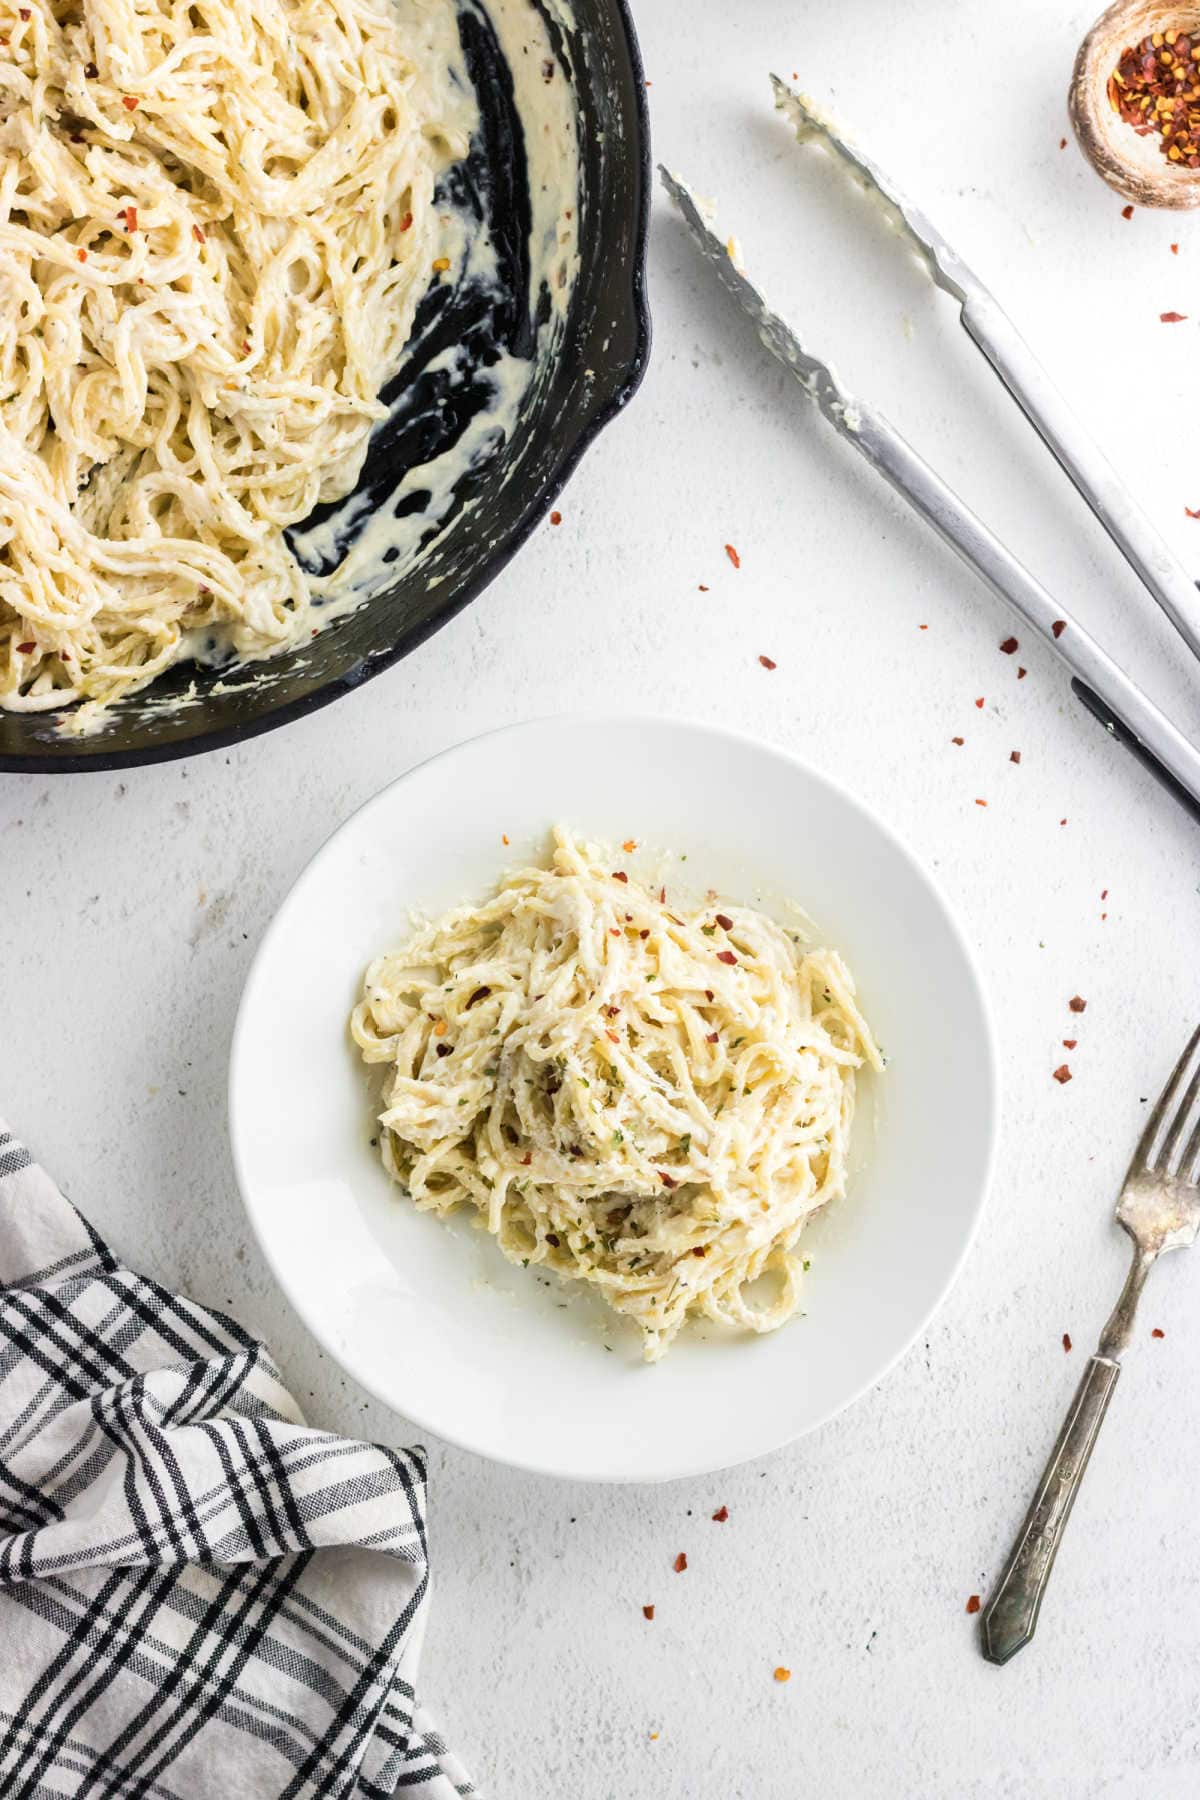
(1134, 165)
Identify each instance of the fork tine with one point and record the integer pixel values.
(1165, 1103)
(1185, 1119)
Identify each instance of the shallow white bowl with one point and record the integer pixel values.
(426, 1313)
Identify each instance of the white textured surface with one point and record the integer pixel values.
(129, 906)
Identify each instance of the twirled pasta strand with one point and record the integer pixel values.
(651, 1100)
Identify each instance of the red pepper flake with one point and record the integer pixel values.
(726, 923)
(619, 875)
(973, 1604)
(720, 1516)
(1157, 1333)
(643, 935)
(614, 931)
(25, 13)
(922, 628)
(668, 1181)
(708, 995)
(959, 741)
(680, 1563)
(552, 1240)
(662, 896)
(1009, 645)
(981, 803)
(1062, 1074)
(979, 702)
(782, 1674)
(726, 956)
(556, 518)
(443, 1049)
(733, 556)
(647, 1612)
(1127, 212)
(1191, 514)
(699, 1250)
(1077, 1004)
(1104, 894)
(129, 102)
(81, 255)
(406, 222)
(91, 72)
(713, 1037)
(1014, 756)
(767, 663)
(613, 1037)
(1070, 1043)
(130, 216)
(703, 589)
(198, 235)
(630, 844)
(1174, 249)
(1067, 1342)
(1058, 627)
(1172, 318)
(1062, 821)
(1062, 143)
(527, 1159)
(504, 837)
(26, 649)
(1021, 674)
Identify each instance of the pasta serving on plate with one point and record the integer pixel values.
(648, 1098)
(216, 221)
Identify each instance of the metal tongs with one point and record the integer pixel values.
(1126, 712)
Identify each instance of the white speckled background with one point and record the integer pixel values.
(129, 908)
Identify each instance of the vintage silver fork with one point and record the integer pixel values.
(1160, 1209)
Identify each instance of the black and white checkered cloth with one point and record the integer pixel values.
(200, 1598)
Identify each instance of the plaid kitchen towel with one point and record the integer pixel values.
(200, 1597)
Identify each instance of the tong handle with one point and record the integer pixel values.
(1010, 1617)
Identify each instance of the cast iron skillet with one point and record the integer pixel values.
(596, 367)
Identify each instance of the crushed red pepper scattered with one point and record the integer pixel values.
(668, 1181)
(1077, 1004)
(1014, 756)
(1127, 212)
(1062, 1074)
(726, 956)
(82, 255)
(26, 649)
(1157, 1333)
(1062, 143)
(1070, 1043)
(130, 216)
(733, 556)
(680, 1563)
(619, 875)
(767, 663)
(647, 1612)
(1067, 1341)
(1156, 87)
(979, 702)
(713, 1037)
(556, 518)
(981, 803)
(129, 101)
(959, 741)
(1174, 249)
(1191, 514)
(630, 844)
(1009, 645)
(1172, 318)
(1021, 674)
(726, 923)
(721, 1514)
(782, 1674)
(973, 1604)
(1058, 627)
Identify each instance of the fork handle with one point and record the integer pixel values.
(1011, 1614)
